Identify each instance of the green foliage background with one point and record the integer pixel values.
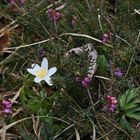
(67, 102)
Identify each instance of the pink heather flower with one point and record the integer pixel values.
(114, 101)
(7, 103)
(111, 97)
(106, 37)
(8, 110)
(111, 109)
(118, 72)
(111, 104)
(54, 15)
(6, 106)
(86, 81)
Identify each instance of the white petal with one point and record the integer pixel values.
(51, 71)
(32, 71)
(44, 63)
(36, 67)
(48, 81)
(37, 79)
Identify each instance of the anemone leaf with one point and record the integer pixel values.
(126, 125)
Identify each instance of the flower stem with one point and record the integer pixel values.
(91, 101)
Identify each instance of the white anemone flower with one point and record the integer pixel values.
(42, 72)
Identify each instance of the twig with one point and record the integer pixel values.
(16, 96)
(28, 118)
(88, 6)
(63, 131)
(134, 50)
(102, 77)
(115, 125)
(35, 126)
(123, 40)
(91, 101)
(136, 11)
(33, 44)
(87, 36)
(105, 135)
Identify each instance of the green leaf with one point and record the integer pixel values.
(134, 116)
(126, 125)
(129, 104)
(34, 105)
(122, 99)
(131, 94)
(26, 94)
(133, 103)
(102, 62)
(127, 100)
(133, 110)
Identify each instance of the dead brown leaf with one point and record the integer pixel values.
(5, 42)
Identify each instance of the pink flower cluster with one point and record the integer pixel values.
(54, 15)
(111, 104)
(6, 106)
(86, 81)
(118, 72)
(106, 37)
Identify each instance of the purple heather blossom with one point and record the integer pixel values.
(6, 106)
(86, 81)
(118, 72)
(111, 104)
(54, 15)
(8, 110)
(106, 37)
(7, 103)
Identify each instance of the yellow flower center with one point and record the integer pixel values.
(42, 73)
